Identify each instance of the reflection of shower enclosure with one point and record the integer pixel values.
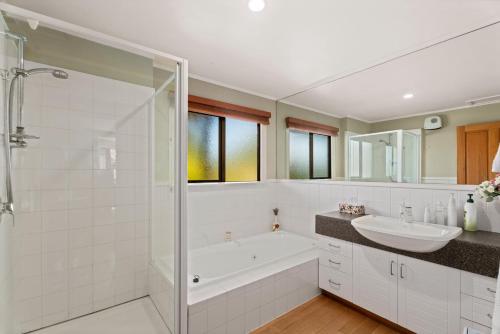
(391, 156)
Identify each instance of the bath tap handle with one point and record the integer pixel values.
(491, 290)
(489, 316)
(333, 262)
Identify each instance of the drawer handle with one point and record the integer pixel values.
(333, 262)
(334, 283)
(334, 246)
(491, 290)
(489, 316)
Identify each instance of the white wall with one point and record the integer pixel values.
(299, 201)
(243, 209)
(81, 238)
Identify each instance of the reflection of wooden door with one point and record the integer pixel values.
(477, 145)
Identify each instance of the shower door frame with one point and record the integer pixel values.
(180, 179)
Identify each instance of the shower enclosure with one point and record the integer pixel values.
(391, 156)
(92, 173)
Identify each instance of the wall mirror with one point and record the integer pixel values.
(430, 116)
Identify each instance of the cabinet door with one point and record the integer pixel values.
(428, 297)
(375, 281)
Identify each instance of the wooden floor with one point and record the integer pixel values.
(323, 315)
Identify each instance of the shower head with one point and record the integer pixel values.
(385, 142)
(59, 74)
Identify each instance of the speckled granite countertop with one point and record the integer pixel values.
(476, 252)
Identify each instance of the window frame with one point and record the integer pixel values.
(311, 155)
(222, 152)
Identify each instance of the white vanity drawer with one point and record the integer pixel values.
(336, 261)
(335, 282)
(336, 246)
(478, 286)
(476, 310)
(469, 324)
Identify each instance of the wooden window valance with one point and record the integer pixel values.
(223, 109)
(302, 125)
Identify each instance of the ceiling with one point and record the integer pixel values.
(440, 77)
(290, 46)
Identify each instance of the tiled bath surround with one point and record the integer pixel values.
(242, 309)
(81, 240)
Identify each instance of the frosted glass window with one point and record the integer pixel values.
(242, 149)
(321, 156)
(203, 147)
(299, 155)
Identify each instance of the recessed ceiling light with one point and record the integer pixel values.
(256, 5)
(408, 96)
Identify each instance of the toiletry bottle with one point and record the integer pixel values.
(452, 211)
(440, 213)
(427, 215)
(470, 215)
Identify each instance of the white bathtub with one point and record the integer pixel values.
(216, 263)
(244, 284)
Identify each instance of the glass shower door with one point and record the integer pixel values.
(8, 59)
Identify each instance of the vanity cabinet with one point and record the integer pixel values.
(421, 296)
(428, 296)
(477, 301)
(375, 286)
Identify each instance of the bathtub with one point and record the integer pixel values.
(249, 282)
(221, 261)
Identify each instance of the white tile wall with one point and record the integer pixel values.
(81, 240)
(242, 209)
(300, 201)
(248, 307)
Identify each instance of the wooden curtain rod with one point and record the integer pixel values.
(303, 125)
(224, 109)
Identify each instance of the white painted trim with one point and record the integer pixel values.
(439, 180)
(236, 88)
(86, 33)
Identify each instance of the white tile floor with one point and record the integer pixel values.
(136, 317)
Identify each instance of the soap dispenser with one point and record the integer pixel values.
(470, 215)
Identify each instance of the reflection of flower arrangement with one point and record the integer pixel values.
(489, 190)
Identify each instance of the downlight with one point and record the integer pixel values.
(256, 5)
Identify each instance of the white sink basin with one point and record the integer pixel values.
(414, 237)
